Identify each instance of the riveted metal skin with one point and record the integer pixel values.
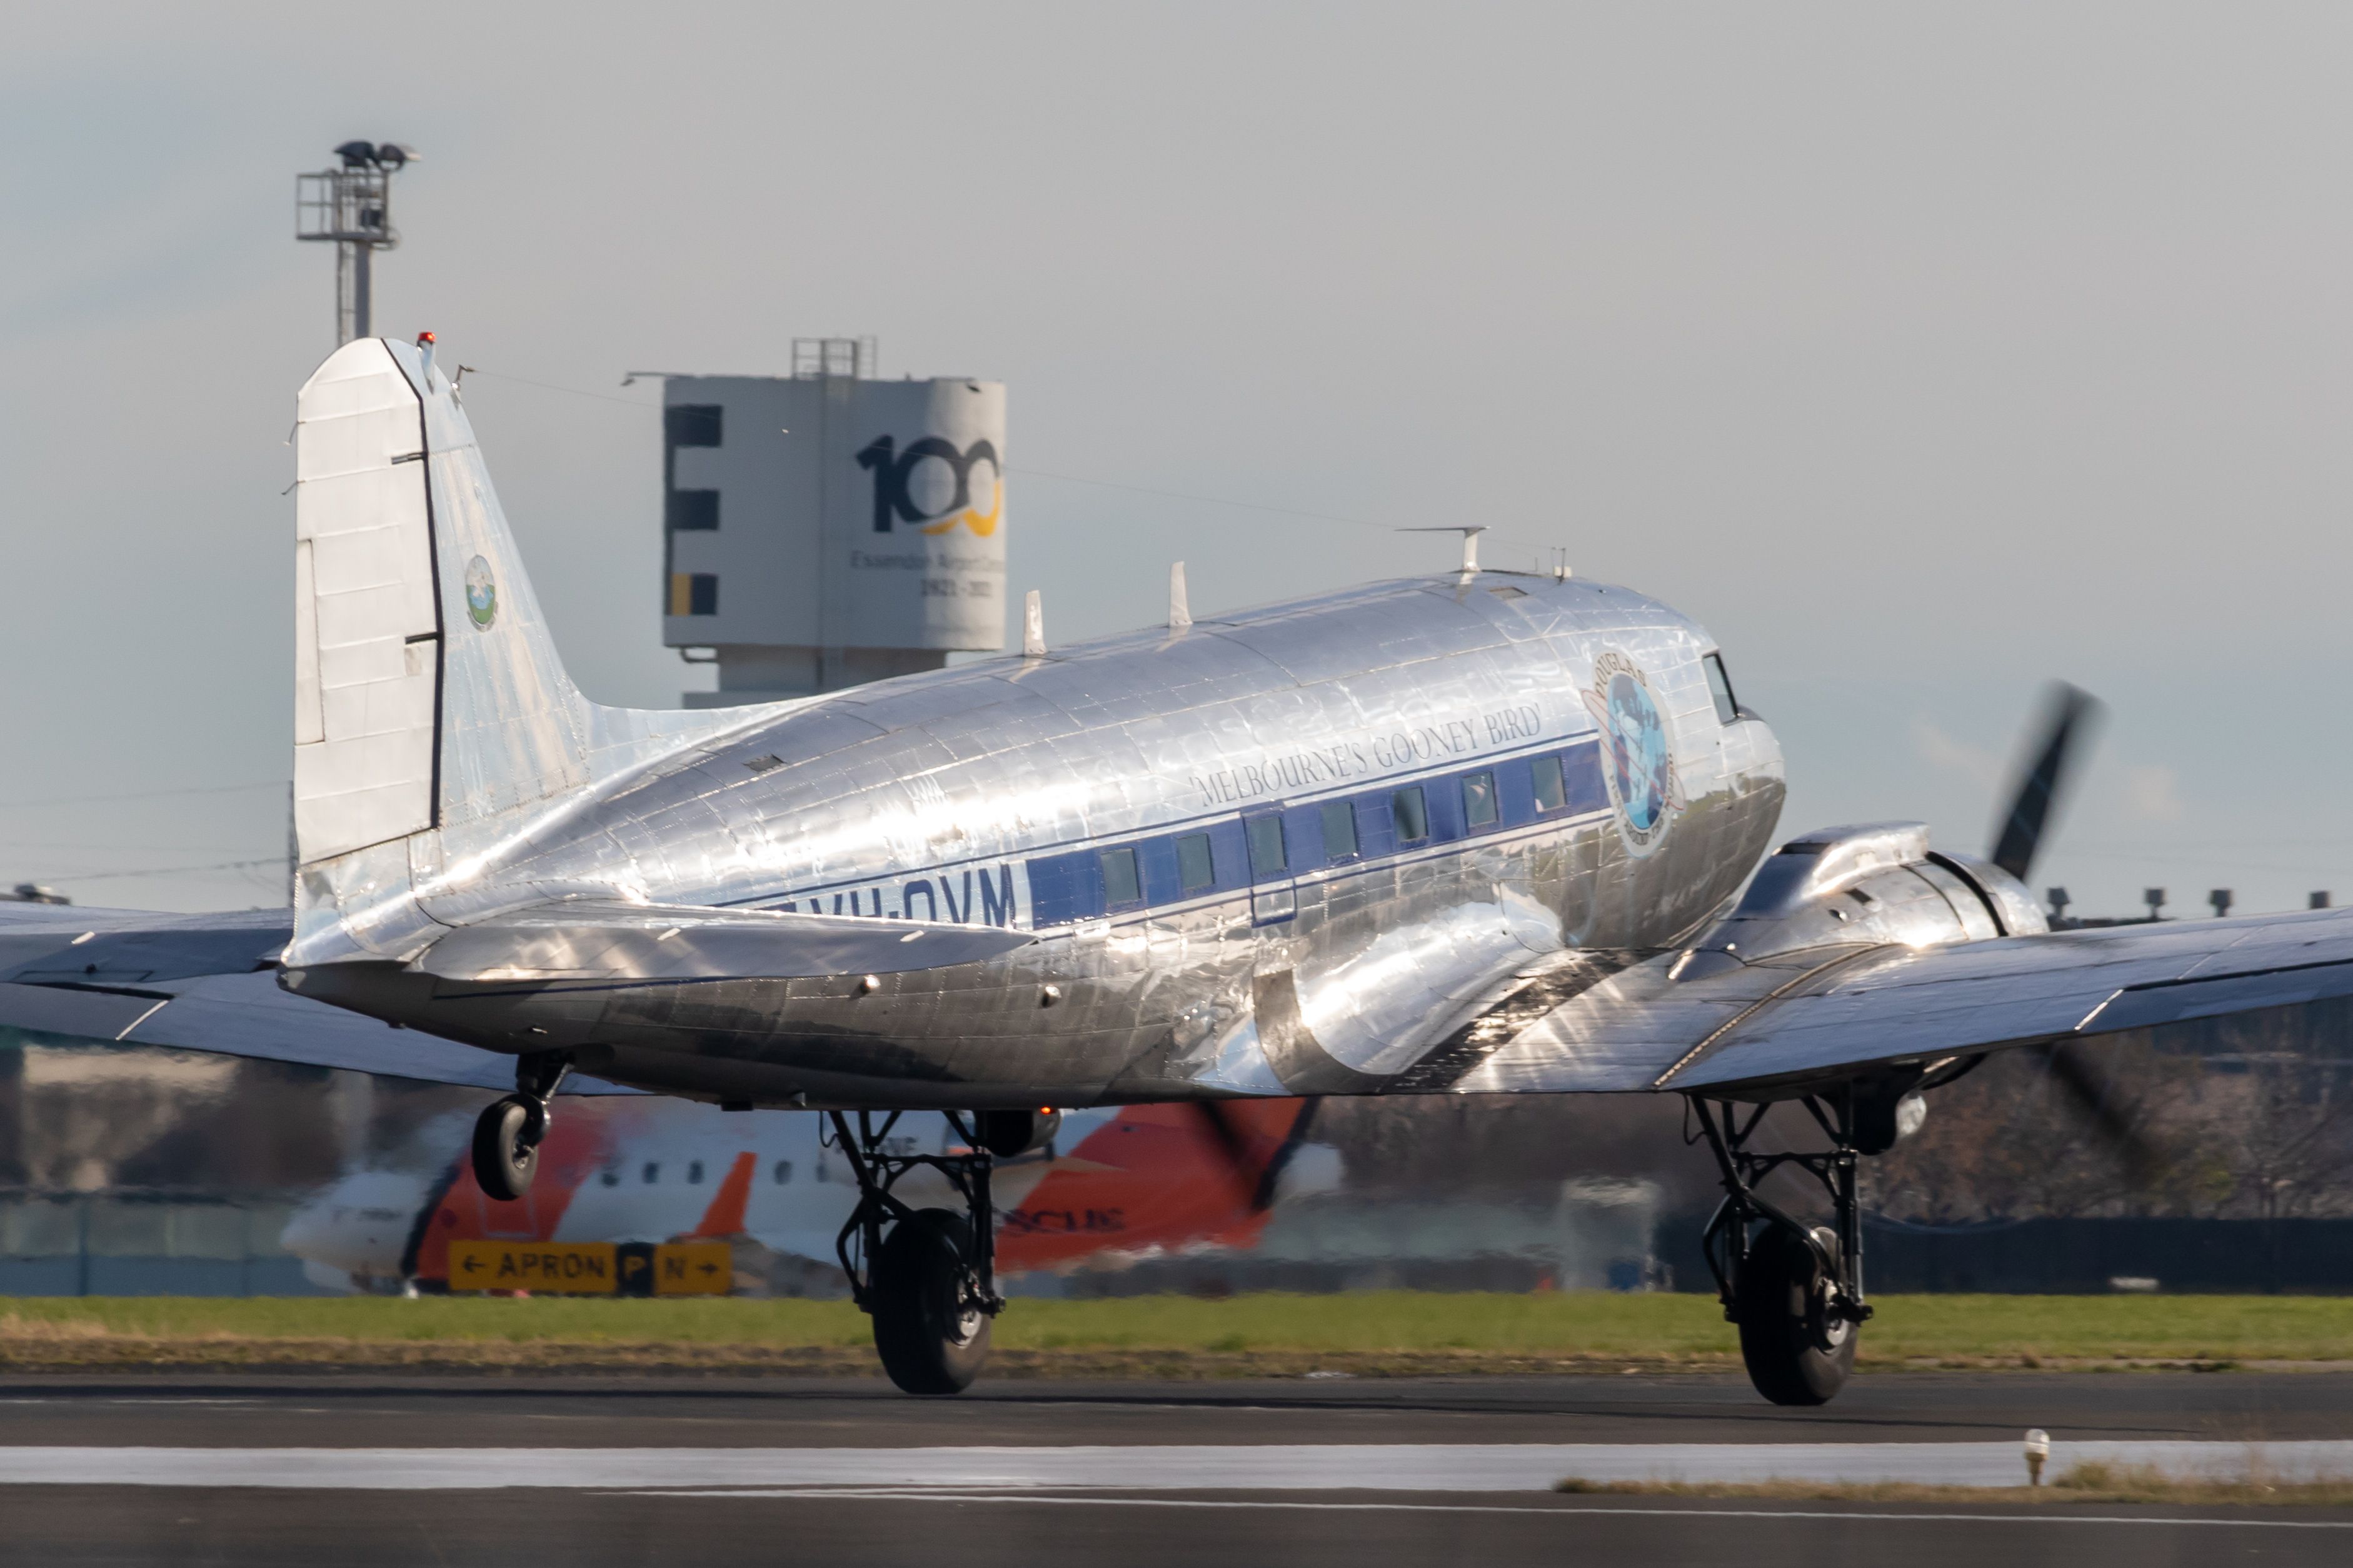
(933, 797)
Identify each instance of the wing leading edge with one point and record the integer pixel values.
(206, 982)
(1827, 1013)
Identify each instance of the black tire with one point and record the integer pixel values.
(1795, 1350)
(506, 1155)
(931, 1339)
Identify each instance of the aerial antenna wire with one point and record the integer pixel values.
(1076, 478)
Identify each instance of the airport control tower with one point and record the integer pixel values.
(826, 528)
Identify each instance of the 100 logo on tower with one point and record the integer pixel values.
(930, 484)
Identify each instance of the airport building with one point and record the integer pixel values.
(827, 528)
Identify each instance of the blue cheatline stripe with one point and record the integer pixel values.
(1069, 885)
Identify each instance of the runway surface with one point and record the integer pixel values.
(374, 1470)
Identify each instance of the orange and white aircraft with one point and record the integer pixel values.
(625, 1169)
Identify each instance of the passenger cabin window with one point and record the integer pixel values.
(1120, 885)
(1410, 813)
(1552, 793)
(1479, 799)
(1339, 830)
(1266, 856)
(652, 1173)
(695, 1173)
(1195, 868)
(1719, 686)
(610, 1177)
(783, 1172)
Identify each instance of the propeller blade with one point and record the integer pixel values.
(1242, 1147)
(2068, 712)
(1229, 1135)
(2142, 1160)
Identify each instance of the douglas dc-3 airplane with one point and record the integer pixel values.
(1477, 832)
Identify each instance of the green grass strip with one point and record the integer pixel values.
(1574, 1326)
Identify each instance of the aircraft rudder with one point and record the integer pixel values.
(427, 691)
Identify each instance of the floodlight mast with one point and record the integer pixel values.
(351, 205)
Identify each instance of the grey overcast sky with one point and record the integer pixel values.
(1923, 352)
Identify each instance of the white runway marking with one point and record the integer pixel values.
(2054, 1517)
(1427, 1467)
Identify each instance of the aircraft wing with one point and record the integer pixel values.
(207, 983)
(1828, 1013)
(64, 944)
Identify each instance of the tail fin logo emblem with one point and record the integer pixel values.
(482, 594)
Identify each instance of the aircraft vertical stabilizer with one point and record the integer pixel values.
(428, 691)
(431, 710)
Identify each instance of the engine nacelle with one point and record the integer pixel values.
(1873, 884)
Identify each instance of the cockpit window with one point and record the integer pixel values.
(1719, 686)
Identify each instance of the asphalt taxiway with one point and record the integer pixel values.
(368, 1470)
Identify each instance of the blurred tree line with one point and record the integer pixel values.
(2249, 1116)
(2244, 1117)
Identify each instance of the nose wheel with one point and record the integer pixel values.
(929, 1279)
(508, 1133)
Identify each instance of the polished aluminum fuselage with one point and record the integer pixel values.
(991, 794)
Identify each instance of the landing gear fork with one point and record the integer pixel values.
(930, 1282)
(1795, 1291)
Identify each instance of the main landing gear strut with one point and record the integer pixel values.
(507, 1136)
(930, 1281)
(1795, 1291)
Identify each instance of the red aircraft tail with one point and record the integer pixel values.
(1158, 1175)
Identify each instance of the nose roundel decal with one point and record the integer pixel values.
(1641, 761)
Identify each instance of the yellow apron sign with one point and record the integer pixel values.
(571, 1268)
(594, 1267)
(693, 1269)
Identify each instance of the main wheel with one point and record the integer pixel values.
(506, 1152)
(932, 1336)
(1797, 1349)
